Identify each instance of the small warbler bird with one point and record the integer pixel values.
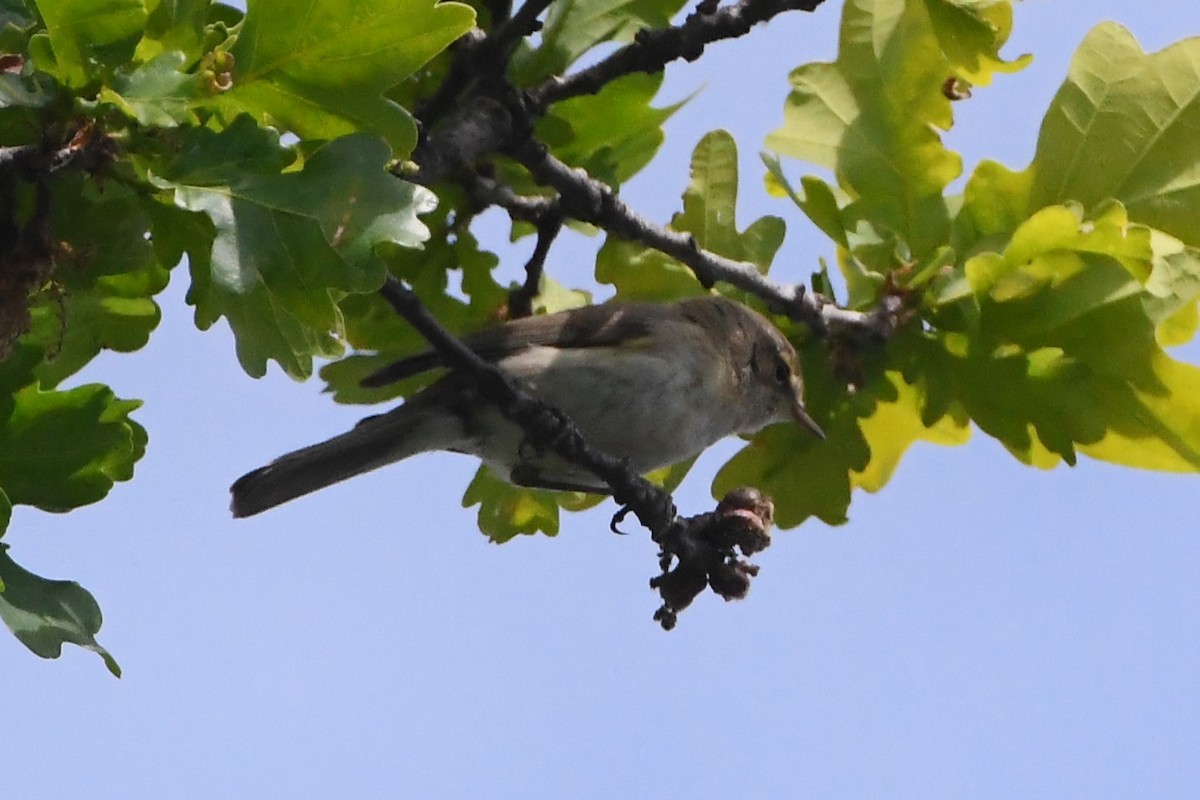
(651, 383)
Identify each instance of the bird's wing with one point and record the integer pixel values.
(591, 326)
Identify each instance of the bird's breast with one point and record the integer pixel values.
(650, 405)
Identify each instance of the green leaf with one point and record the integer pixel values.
(971, 33)
(1157, 419)
(264, 330)
(174, 25)
(1054, 405)
(372, 324)
(17, 91)
(321, 70)
(995, 203)
(575, 26)
(17, 372)
(64, 449)
(1062, 229)
(1069, 330)
(642, 273)
(872, 117)
(1123, 126)
(612, 134)
(288, 245)
(710, 204)
(804, 476)
(90, 35)
(157, 94)
(816, 198)
(896, 425)
(15, 16)
(45, 614)
(22, 100)
(506, 511)
(553, 297)
(1174, 287)
(867, 433)
(116, 313)
(105, 279)
(709, 214)
(5, 518)
(1069, 283)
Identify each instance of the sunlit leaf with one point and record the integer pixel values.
(506, 511)
(157, 93)
(612, 134)
(1067, 325)
(895, 426)
(1124, 125)
(710, 215)
(867, 437)
(288, 244)
(873, 117)
(817, 199)
(971, 33)
(321, 69)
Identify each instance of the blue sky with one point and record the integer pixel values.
(979, 629)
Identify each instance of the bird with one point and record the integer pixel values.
(651, 383)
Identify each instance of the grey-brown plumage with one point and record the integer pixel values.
(651, 383)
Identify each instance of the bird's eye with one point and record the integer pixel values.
(783, 375)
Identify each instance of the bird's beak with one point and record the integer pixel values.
(804, 419)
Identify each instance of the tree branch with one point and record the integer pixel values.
(594, 201)
(493, 116)
(544, 213)
(652, 50)
(694, 552)
(479, 128)
(520, 301)
(490, 192)
(502, 114)
(87, 149)
(523, 23)
(548, 427)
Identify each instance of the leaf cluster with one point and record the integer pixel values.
(136, 132)
(1041, 301)
(1035, 305)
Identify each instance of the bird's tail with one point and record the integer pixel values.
(373, 443)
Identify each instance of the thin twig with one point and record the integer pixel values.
(88, 149)
(543, 212)
(520, 301)
(20, 157)
(523, 23)
(527, 208)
